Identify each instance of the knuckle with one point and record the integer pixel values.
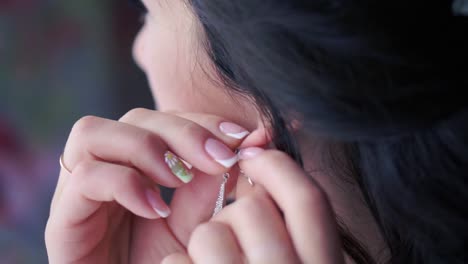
(134, 114)
(251, 205)
(202, 232)
(82, 169)
(192, 129)
(147, 142)
(84, 124)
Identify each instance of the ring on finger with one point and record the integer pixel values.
(62, 164)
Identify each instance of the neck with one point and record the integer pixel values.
(344, 194)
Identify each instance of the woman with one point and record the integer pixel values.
(347, 117)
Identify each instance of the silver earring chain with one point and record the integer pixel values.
(220, 201)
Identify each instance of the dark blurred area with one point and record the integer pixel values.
(59, 60)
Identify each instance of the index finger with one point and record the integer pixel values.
(307, 211)
(203, 148)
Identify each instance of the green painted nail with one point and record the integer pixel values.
(177, 167)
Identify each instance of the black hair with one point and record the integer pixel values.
(385, 81)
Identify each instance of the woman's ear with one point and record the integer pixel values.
(260, 137)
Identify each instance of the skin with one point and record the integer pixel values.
(100, 212)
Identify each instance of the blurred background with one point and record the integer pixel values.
(59, 60)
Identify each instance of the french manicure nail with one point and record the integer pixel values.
(157, 204)
(233, 130)
(177, 167)
(249, 153)
(220, 153)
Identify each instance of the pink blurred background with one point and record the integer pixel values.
(59, 60)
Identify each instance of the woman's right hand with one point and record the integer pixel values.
(108, 210)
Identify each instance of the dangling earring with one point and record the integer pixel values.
(220, 201)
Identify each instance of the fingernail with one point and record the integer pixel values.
(233, 130)
(220, 153)
(157, 204)
(177, 167)
(249, 153)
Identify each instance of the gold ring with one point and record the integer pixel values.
(62, 164)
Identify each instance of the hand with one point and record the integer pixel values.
(109, 210)
(286, 219)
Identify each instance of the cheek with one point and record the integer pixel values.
(168, 62)
(176, 81)
(177, 75)
(138, 50)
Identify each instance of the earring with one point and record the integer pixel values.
(220, 201)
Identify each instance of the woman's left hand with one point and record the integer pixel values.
(287, 218)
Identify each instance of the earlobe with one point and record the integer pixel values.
(262, 136)
(295, 125)
(295, 121)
